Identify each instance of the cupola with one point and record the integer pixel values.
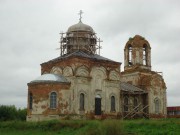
(79, 37)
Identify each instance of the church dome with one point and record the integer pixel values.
(51, 78)
(80, 27)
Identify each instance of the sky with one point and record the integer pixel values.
(29, 36)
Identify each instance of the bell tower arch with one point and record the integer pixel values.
(137, 53)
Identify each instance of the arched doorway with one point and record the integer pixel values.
(98, 105)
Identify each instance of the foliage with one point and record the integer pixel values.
(13, 122)
(113, 127)
(92, 127)
(153, 127)
(64, 127)
(105, 127)
(130, 38)
(10, 112)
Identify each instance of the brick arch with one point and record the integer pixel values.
(114, 75)
(56, 70)
(82, 71)
(157, 80)
(44, 72)
(99, 71)
(68, 71)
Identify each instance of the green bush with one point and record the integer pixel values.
(8, 113)
(21, 114)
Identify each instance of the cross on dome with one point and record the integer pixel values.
(80, 15)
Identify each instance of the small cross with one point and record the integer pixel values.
(80, 14)
(99, 46)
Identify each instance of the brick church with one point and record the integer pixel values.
(81, 84)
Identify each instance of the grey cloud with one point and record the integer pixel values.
(29, 35)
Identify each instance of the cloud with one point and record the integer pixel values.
(29, 36)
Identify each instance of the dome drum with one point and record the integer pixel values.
(79, 37)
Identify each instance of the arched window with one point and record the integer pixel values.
(53, 100)
(113, 104)
(81, 102)
(126, 104)
(157, 105)
(30, 101)
(144, 54)
(130, 55)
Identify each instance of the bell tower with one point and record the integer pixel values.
(137, 54)
(137, 71)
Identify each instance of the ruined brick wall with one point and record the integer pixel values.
(41, 99)
(75, 62)
(90, 77)
(154, 84)
(86, 76)
(156, 87)
(137, 58)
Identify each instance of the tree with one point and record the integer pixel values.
(11, 113)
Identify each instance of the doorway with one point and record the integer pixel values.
(97, 105)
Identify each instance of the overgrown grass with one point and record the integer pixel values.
(153, 127)
(92, 127)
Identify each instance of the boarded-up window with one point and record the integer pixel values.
(81, 101)
(53, 100)
(30, 101)
(157, 105)
(113, 103)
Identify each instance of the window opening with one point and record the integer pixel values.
(144, 54)
(113, 103)
(157, 105)
(81, 101)
(30, 101)
(53, 100)
(130, 55)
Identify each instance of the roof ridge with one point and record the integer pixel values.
(83, 54)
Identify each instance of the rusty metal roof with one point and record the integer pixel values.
(130, 88)
(173, 108)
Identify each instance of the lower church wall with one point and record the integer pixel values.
(87, 116)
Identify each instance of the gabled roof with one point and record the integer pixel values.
(82, 54)
(130, 88)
